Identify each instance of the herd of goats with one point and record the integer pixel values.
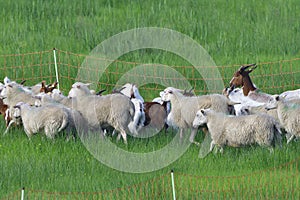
(241, 116)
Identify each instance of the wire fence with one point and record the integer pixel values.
(271, 77)
(280, 182)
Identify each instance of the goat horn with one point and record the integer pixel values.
(252, 68)
(100, 92)
(243, 68)
(122, 88)
(118, 90)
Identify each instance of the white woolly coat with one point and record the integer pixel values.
(48, 119)
(288, 114)
(239, 131)
(184, 109)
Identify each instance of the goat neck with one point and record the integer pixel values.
(247, 85)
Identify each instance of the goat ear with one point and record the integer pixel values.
(55, 84)
(88, 84)
(6, 80)
(16, 106)
(203, 112)
(43, 84)
(22, 82)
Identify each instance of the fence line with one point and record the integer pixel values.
(285, 74)
(281, 182)
(271, 77)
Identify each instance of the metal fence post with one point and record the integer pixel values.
(56, 70)
(173, 184)
(22, 193)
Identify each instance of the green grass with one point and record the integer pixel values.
(233, 33)
(61, 166)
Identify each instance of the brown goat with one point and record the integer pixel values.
(48, 88)
(3, 111)
(156, 115)
(242, 78)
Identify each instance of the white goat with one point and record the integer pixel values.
(238, 131)
(131, 91)
(236, 95)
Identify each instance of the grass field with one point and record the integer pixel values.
(233, 32)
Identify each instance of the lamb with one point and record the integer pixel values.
(239, 131)
(288, 114)
(183, 109)
(115, 110)
(50, 119)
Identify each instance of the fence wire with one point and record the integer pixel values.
(280, 182)
(270, 77)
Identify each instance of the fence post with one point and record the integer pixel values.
(173, 184)
(22, 193)
(55, 64)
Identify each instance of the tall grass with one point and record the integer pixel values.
(233, 32)
(42, 164)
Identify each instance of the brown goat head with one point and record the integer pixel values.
(238, 76)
